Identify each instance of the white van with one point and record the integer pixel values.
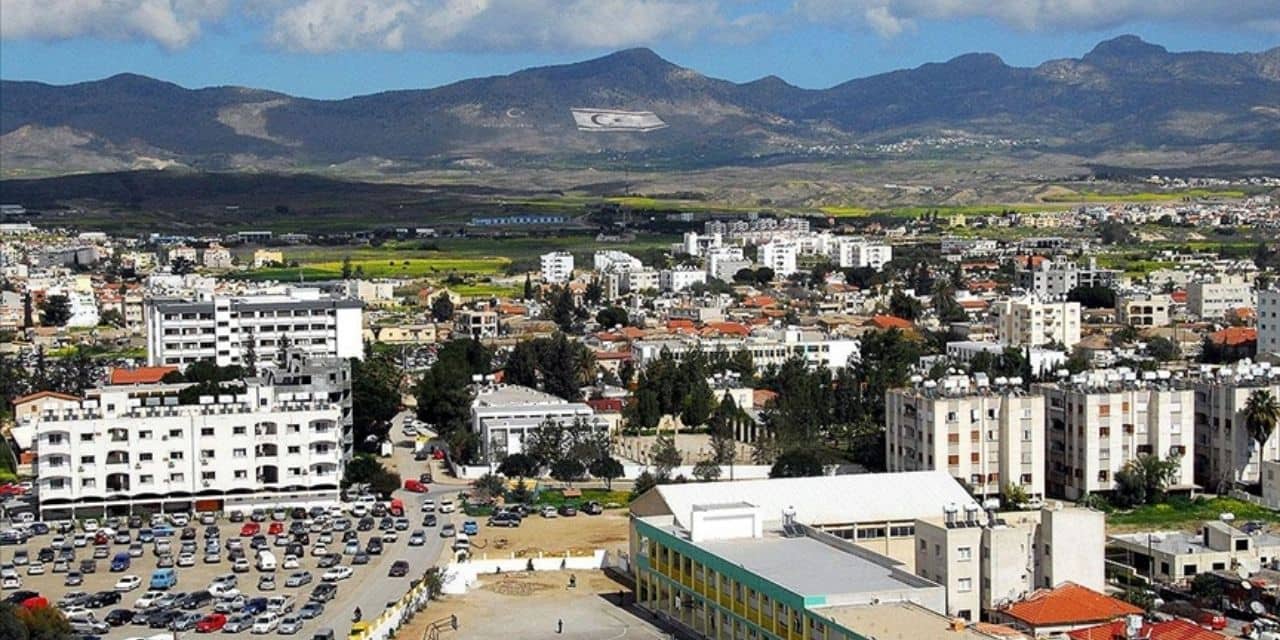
(266, 561)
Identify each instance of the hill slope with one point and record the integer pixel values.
(1125, 94)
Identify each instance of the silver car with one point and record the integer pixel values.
(289, 625)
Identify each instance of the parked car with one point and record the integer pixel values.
(504, 520)
(237, 622)
(548, 512)
(230, 605)
(73, 579)
(324, 592)
(147, 599)
(298, 579)
(212, 622)
(337, 573)
(470, 527)
(186, 621)
(35, 569)
(567, 510)
(267, 582)
(128, 583)
(290, 625)
(448, 530)
(312, 609)
(255, 606)
(119, 617)
(265, 623)
(399, 569)
(417, 538)
(593, 508)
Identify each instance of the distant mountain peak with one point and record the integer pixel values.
(1126, 46)
(977, 61)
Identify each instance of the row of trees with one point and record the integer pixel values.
(555, 365)
(680, 388)
(444, 393)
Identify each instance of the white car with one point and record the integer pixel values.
(319, 550)
(35, 569)
(147, 599)
(390, 536)
(186, 560)
(90, 525)
(428, 506)
(14, 582)
(223, 590)
(446, 506)
(265, 623)
(337, 573)
(359, 511)
(128, 583)
(180, 519)
(290, 562)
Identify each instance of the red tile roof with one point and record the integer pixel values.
(1234, 336)
(39, 395)
(1069, 603)
(882, 321)
(727, 328)
(140, 375)
(1179, 296)
(762, 397)
(606, 405)
(1171, 630)
(759, 301)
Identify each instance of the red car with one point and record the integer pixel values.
(276, 528)
(250, 529)
(1214, 621)
(415, 486)
(210, 623)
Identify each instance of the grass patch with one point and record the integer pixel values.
(392, 267)
(1145, 196)
(555, 497)
(846, 212)
(1179, 513)
(488, 290)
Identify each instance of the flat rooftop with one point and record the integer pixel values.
(506, 395)
(1182, 542)
(811, 567)
(898, 621)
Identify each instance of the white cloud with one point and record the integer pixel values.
(332, 25)
(889, 18)
(171, 23)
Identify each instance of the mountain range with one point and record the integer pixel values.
(1125, 94)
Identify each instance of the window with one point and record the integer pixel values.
(239, 453)
(175, 433)
(144, 435)
(238, 431)
(294, 449)
(964, 553)
(175, 455)
(86, 459)
(176, 477)
(964, 585)
(241, 474)
(206, 431)
(86, 437)
(207, 453)
(1242, 544)
(146, 479)
(145, 457)
(208, 475)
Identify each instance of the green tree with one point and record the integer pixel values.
(55, 310)
(528, 287)
(567, 470)
(1093, 297)
(665, 457)
(346, 267)
(606, 468)
(442, 308)
(594, 292)
(518, 465)
(12, 626)
(698, 405)
(375, 395)
(45, 623)
(549, 443)
(489, 486)
(1163, 349)
(1144, 479)
(564, 310)
(945, 304)
(1261, 412)
(1013, 496)
(610, 317)
(706, 470)
(522, 365)
(644, 482)
(796, 463)
(905, 306)
(111, 318)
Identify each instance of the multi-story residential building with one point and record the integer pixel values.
(217, 256)
(641, 280)
(503, 416)
(988, 559)
(723, 262)
(1144, 310)
(697, 244)
(557, 267)
(226, 329)
(857, 252)
(1043, 361)
(1268, 321)
(183, 252)
(987, 437)
(681, 278)
(1052, 280)
(1031, 322)
(779, 255)
(1098, 421)
(1213, 299)
(267, 257)
(281, 439)
(1225, 452)
(612, 261)
(476, 324)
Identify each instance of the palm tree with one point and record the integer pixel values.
(1261, 413)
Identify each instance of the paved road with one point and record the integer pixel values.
(371, 589)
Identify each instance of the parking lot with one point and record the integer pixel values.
(368, 587)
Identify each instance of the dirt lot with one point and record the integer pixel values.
(578, 535)
(530, 605)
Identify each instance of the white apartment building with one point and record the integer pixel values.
(696, 244)
(1225, 452)
(477, 324)
(640, 280)
(681, 278)
(1268, 321)
(857, 252)
(1213, 299)
(217, 256)
(766, 349)
(986, 559)
(987, 437)
(1144, 310)
(221, 328)
(183, 252)
(1098, 421)
(725, 261)
(557, 267)
(504, 415)
(1031, 322)
(779, 255)
(1052, 280)
(267, 443)
(614, 261)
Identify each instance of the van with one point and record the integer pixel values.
(164, 579)
(266, 561)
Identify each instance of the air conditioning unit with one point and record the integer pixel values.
(171, 465)
(137, 465)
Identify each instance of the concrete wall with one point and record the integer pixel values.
(462, 576)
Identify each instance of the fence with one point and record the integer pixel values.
(463, 575)
(397, 615)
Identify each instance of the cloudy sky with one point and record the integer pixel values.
(338, 48)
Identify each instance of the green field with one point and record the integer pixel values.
(487, 290)
(396, 267)
(1145, 196)
(1188, 514)
(852, 211)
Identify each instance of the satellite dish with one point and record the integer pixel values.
(1257, 608)
(1246, 585)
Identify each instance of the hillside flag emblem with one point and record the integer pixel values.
(614, 120)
